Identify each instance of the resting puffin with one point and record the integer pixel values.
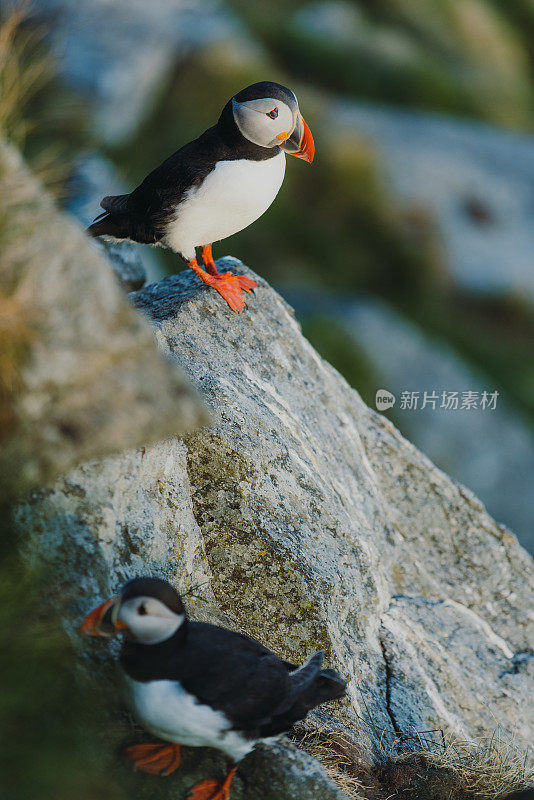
(216, 185)
(201, 685)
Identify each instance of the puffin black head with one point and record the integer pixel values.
(149, 610)
(268, 115)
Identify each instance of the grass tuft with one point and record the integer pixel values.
(44, 123)
(339, 757)
(421, 766)
(38, 115)
(488, 769)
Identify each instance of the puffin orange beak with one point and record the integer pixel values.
(300, 143)
(101, 621)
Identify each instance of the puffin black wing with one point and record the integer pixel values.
(143, 215)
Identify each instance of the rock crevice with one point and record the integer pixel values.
(388, 679)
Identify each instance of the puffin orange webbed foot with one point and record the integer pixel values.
(247, 284)
(156, 759)
(211, 789)
(227, 285)
(209, 261)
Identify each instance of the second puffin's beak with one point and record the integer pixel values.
(102, 621)
(300, 143)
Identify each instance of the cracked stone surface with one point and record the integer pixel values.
(491, 450)
(305, 519)
(435, 645)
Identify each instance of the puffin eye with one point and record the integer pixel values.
(273, 114)
(141, 611)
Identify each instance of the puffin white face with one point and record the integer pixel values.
(266, 122)
(149, 620)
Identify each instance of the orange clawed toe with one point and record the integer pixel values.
(229, 286)
(247, 284)
(157, 759)
(162, 759)
(211, 789)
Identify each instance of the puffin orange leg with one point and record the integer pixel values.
(211, 789)
(228, 285)
(157, 759)
(247, 284)
(207, 258)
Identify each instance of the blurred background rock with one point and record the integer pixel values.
(420, 196)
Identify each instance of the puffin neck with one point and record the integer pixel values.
(239, 144)
(139, 660)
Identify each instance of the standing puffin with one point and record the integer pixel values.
(201, 685)
(216, 185)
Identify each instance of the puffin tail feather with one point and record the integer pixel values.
(305, 676)
(313, 685)
(105, 225)
(330, 685)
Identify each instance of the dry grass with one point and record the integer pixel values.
(16, 336)
(37, 114)
(24, 71)
(17, 325)
(339, 757)
(489, 769)
(415, 766)
(28, 121)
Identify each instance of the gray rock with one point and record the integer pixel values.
(125, 264)
(81, 375)
(300, 516)
(280, 770)
(477, 181)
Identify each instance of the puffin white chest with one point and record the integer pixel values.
(229, 199)
(165, 709)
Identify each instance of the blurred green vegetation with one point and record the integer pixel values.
(464, 56)
(51, 720)
(38, 114)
